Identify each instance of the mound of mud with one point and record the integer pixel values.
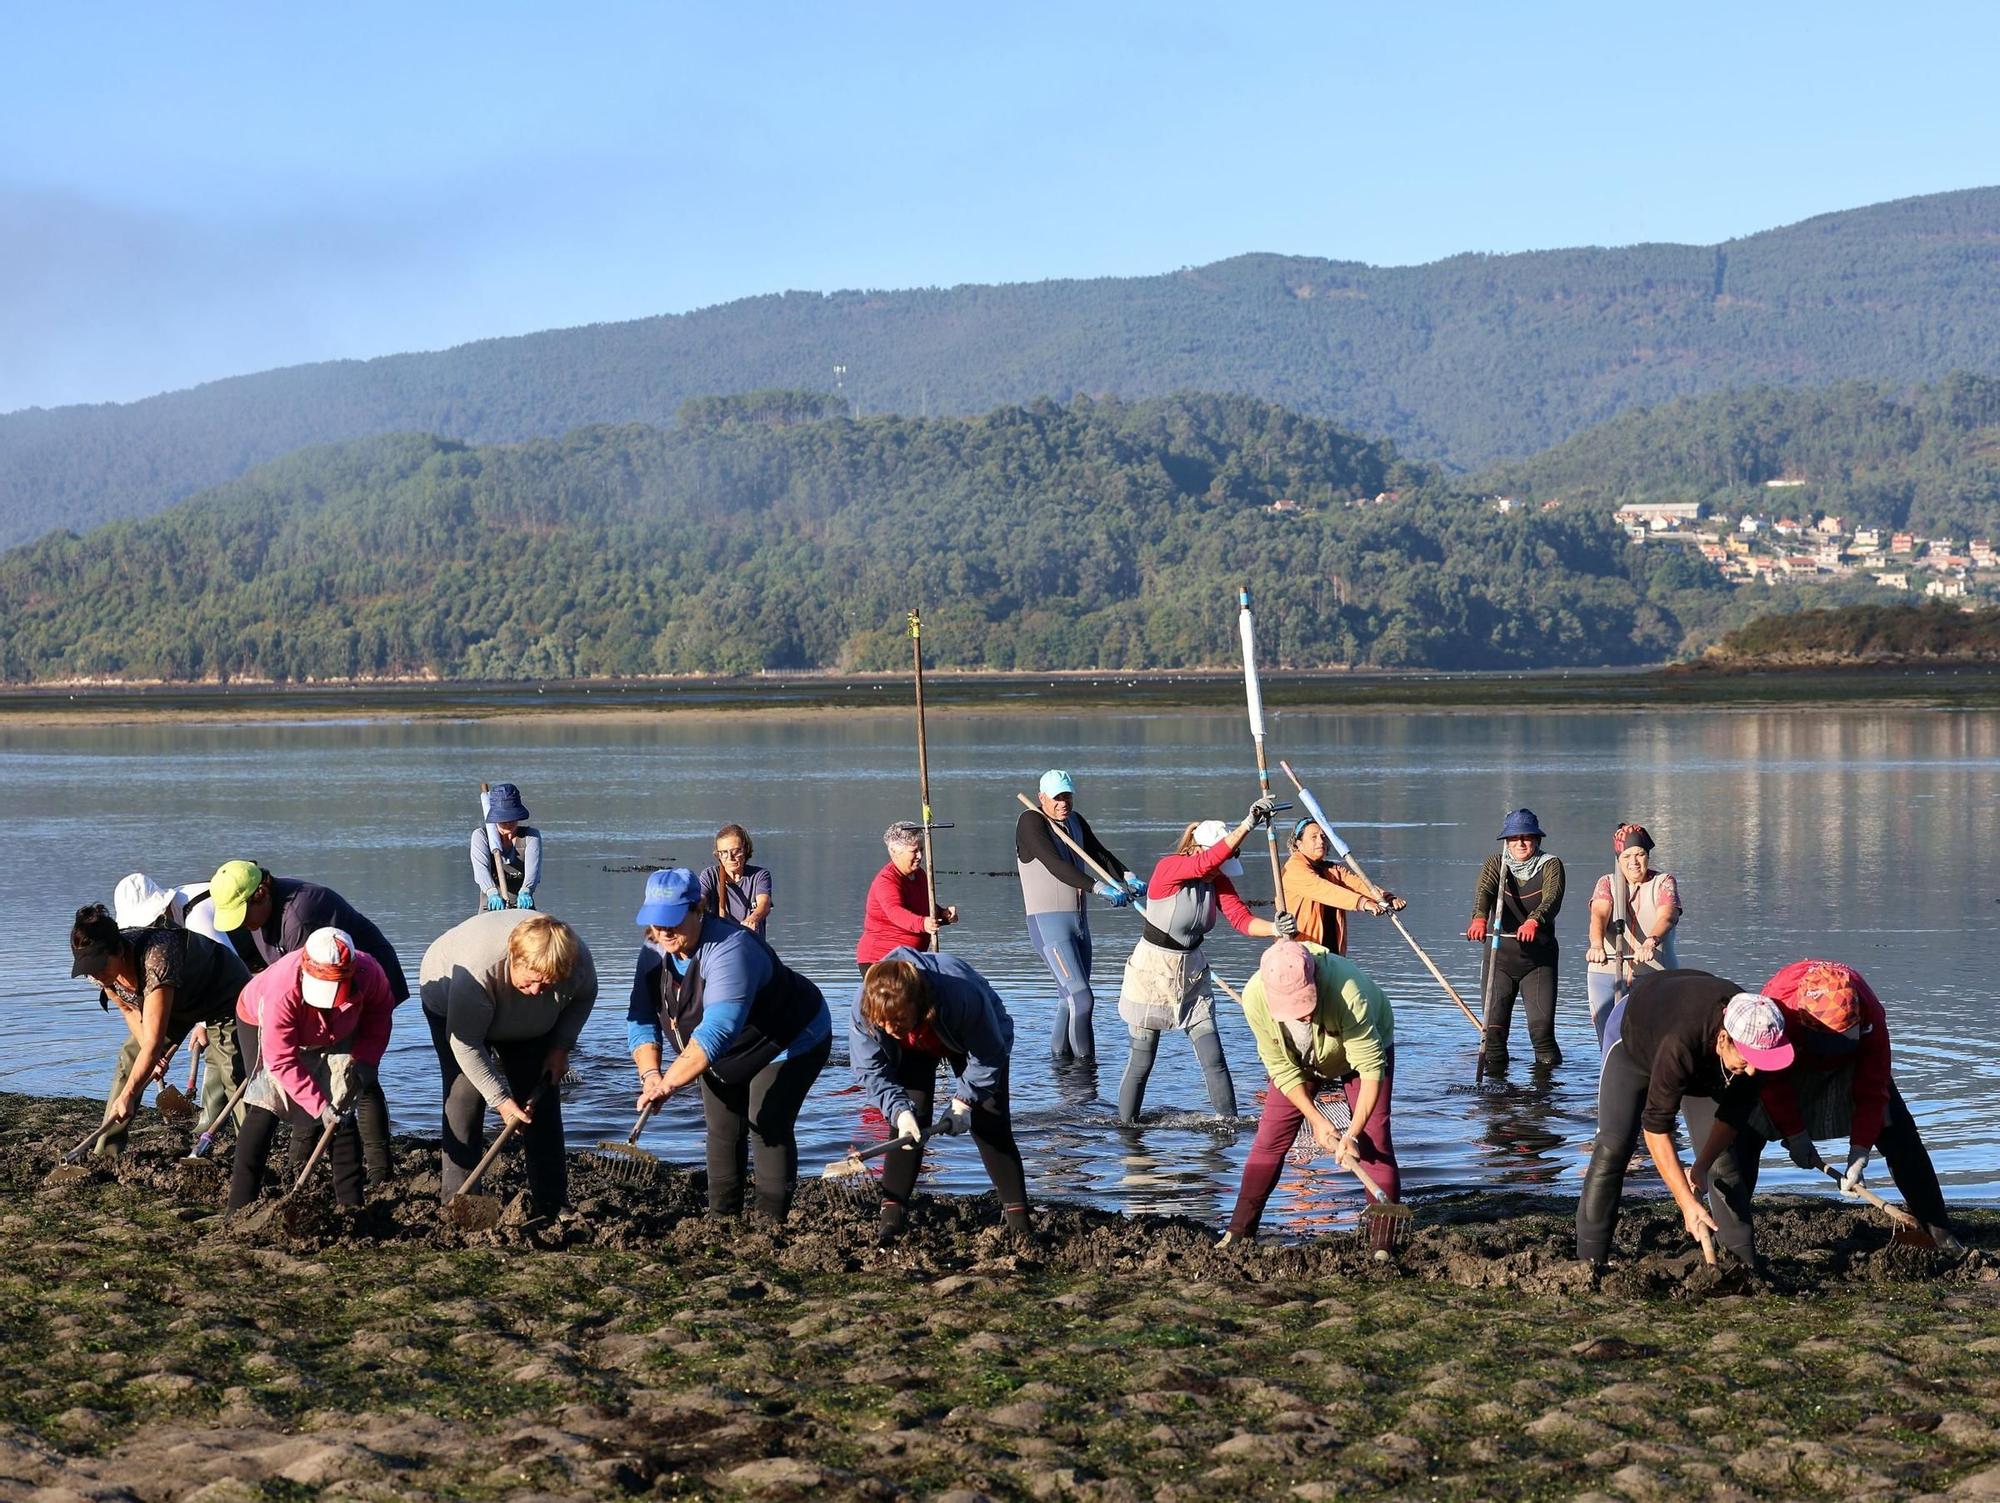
(1481, 1242)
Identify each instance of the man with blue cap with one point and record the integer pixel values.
(1520, 891)
(508, 842)
(1054, 884)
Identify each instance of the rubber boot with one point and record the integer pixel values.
(1494, 1051)
(895, 1221)
(1597, 1206)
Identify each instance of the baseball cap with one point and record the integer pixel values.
(88, 958)
(1757, 1028)
(1207, 833)
(1826, 995)
(231, 887)
(1056, 781)
(1291, 981)
(669, 896)
(138, 901)
(327, 968)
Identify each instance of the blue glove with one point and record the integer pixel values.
(1136, 885)
(494, 902)
(1117, 897)
(525, 898)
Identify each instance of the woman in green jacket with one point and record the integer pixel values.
(1321, 1023)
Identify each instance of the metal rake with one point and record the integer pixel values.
(1384, 1220)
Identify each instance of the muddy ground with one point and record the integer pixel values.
(642, 1349)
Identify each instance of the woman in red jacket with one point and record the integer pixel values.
(898, 899)
(1839, 1086)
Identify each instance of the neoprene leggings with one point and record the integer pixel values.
(1537, 990)
(1063, 942)
(992, 1132)
(521, 1064)
(1139, 1068)
(757, 1120)
(253, 1151)
(1280, 1126)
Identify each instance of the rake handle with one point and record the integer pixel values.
(1893, 1212)
(207, 1134)
(312, 1160)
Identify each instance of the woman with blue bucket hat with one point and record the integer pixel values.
(755, 1032)
(1514, 909)
(506, 851)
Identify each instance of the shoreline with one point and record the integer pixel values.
(646, 1348)
(1944, 686)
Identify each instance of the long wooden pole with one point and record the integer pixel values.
(1254, 700)
(1374, 890)
(1064, 836)
(924, 774)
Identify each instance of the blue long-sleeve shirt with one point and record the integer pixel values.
(523, 861)
(970, 1019)
(734, 969)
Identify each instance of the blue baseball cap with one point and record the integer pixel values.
(1055, 781)
(669, 896)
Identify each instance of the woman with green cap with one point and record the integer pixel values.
(1514, 908)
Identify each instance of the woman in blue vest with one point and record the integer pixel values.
(755, 1032)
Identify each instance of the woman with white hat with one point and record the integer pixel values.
(308, 1020)
(138, 902)
(1166, 984)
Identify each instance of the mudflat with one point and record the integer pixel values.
(147, 1351)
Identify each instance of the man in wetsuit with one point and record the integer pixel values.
(1054, 884)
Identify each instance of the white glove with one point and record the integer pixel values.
(1857, 1168)
(906, 1126)
(960, 1119)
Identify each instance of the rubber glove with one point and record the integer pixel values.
(1117, 897)
(1857, 1169)
(1804, 1152)
(958, 1119)
(1476, 931)
(328, 1116)
(1527, 932)
(1262, 812)
(494, 902)
(1286, 925)
(906, 1126)
(1136, 885)
(525, 899)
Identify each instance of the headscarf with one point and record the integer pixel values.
(1630, 834)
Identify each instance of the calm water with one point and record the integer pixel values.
(1844, 834)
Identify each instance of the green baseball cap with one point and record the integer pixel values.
(231, 887)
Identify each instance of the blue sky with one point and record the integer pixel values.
(193, 191)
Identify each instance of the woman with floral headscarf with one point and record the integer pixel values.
(1634, 912)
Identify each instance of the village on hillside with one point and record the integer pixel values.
(1772, 548)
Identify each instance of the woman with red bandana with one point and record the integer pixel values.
(1634, 913)
(1840, 1086)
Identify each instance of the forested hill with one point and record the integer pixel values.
(1465, 360)
(1927, 458)
(757, 533)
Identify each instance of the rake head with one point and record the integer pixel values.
(1384, 1222)
(625, 1162)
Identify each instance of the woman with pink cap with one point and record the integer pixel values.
(1683, 1042)
(307, 1020)
(1840, 1087)
(1321, 1023)
(1166, 985)
(1634, 915)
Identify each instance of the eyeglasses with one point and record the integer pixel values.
(727, 851)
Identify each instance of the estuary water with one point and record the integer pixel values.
(1848, 834)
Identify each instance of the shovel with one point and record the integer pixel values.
(174, 1105)
(72, 1170)
(479, 1213)
(205, 1140)
(261, 1218)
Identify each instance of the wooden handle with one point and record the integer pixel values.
(1707, 1239)
(491, 1154)
(1449, 991)
(1064, 836)
(1893, 1212)
(312, 1162)
(194, 1070)
(229, 1105)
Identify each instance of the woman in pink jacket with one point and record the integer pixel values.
(304, 1022)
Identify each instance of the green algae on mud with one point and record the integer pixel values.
(645, 1349)
(1961, 686)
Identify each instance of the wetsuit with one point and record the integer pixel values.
(1525, 971)
(1054, 888)
(1660, 1062)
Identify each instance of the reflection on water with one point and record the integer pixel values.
(1839, 833)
